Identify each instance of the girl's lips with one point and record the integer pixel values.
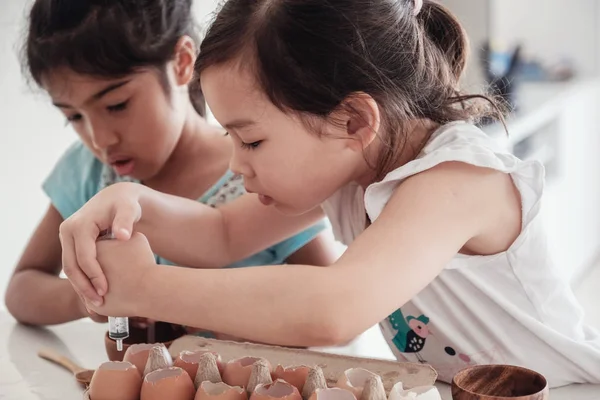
(266, 200)
(123, 167)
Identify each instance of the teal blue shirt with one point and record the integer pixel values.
(78, 176)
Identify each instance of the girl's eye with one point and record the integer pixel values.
(74, 118)
(118, 107)
(251, 146)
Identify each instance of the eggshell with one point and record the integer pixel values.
(220, 391)
(208, 371)
(295, 375)
(315, 380)
(278, 390)
(416, 393)
(158, 358)
(332, 394)
(373, 389)
(260, 375)
(116, 380)
(170, 383)
(237, 372)
(354, 380)
(137, 354)
(188, 360)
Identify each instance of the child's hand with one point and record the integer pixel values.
(125, 264)
(90, 314)
(116, 207)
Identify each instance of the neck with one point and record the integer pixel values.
(417, 133)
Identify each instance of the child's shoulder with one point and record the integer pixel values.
(459, 142)
(74, 179)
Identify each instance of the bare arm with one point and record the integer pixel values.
(192, 234)
(321, 251)
(181, 230)
(430, 218)
(36, 294)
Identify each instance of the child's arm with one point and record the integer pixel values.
(181, 230)
(430, 218)
(321, 251)
(35, 294)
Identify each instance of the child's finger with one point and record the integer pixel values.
(126, 215)
(85, 249)
(78, 279)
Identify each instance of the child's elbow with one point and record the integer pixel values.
(12, 301)
(330, 330)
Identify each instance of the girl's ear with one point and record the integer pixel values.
(183, 62)
(358, 119)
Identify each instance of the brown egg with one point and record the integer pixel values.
(170, 383)
(116, 380)
(220, 391)
(278, 390)
(237, 372)
(137, 354)
(332, 394)
(188, 360)
(294, 375)
(158, 358)
(354, 380)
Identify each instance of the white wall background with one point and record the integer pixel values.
(32, 137)
(553, 28)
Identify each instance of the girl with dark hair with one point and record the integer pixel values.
(354, 107)
(119, 71)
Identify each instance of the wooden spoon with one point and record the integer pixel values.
(83, 376)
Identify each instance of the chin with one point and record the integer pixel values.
(292, 210)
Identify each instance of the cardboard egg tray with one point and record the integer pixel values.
(333, 365)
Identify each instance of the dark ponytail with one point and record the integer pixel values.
(447, 34)
(107, 38)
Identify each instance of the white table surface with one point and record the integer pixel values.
(24, 376)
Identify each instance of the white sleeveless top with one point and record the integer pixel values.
(508, 308)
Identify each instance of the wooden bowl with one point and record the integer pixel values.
(164, 333)
(499, 382)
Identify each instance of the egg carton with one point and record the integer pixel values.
(381, 379)
(333, 365)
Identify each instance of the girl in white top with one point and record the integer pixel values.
(353, 106)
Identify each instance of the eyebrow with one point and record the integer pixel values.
(99, 95)
(238, 124)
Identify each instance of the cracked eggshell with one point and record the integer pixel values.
(237, 372)
(296, 375)
(220, 391)
(278, 390)
(188, 360)
(137, 354)
(416, 393)
(354, 380)
(332, 394)
(170, 383)
(115, 380)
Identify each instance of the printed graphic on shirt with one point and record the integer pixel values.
(413, 336)
(411, 333)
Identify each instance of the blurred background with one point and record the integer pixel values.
(542, 56)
